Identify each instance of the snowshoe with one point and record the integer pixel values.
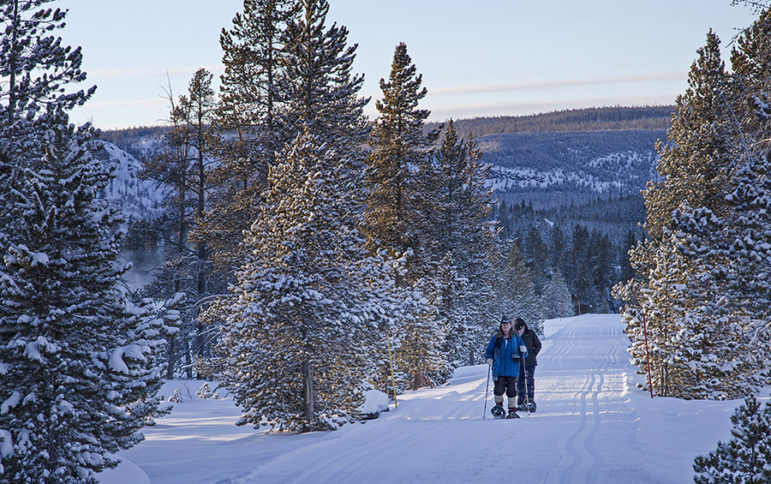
(498, 411)
(531, 408)
(512, 414)
(521, 407)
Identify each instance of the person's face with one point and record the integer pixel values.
(506, 327)
(521, 330)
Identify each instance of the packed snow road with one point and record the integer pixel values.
(584, 421)
(592, 426)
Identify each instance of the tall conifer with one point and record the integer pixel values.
(399, 148)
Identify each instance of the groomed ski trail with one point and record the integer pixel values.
(583, 385)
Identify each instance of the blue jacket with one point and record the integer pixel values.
(505, 355)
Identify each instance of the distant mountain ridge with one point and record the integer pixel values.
(604, 163)
(574, 120)
(549, 159)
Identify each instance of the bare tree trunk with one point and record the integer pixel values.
(172, 350)
(309, 398)
(188, 360)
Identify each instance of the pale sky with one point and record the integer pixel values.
(477, 57)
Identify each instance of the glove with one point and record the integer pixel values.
(489, 362)
(523, 349)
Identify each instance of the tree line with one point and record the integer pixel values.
(586, 243)
(700, 291)
(80, 364)
(310, 240)
(611, 118)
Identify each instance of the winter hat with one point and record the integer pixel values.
(520, 324)
(505, 319)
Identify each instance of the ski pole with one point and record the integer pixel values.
(524, 375)
(487, 389)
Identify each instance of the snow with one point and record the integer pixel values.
(6, 446)
(374, 401)
(592, 425)
(10, 402)
(130, 351)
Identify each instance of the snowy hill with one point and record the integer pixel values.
(592, 425)
(523, 165)
(139, 199)
(598, 162)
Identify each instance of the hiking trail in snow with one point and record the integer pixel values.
(592, 426)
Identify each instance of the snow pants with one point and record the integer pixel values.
(530, 375)
(506, 384)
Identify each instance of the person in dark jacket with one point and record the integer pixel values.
(527, 374)
(503, 355)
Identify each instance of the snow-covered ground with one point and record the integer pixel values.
(592, 426)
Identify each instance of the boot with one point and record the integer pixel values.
(512, 413)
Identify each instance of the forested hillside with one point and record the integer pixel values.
(545, 184)
(587, 119)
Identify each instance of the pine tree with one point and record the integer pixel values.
(556, 298)
(699, 143)
(749, 194)
(79, 372)
(307, 300)
(694, 279)
(399, 148)
(454, 220)
(690, 165)
(422, 334)
(460, 327)
(319, 89)
(746, 458)
(246, 134)
(581, 270)
(77, 364)
(517, 291)
(185, 165)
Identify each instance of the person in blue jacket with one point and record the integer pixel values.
(503, 355)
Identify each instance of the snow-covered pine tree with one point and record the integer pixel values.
(77, 366)
(556, 301)
(682, 277)
(748, 234)
(460, 328)
(319, 90)
(749, 194)
(421, 340)
(392, 208)
(456, 205)
(399, 149)
(699, 143)
(746, 458)
(516, 290)
(307, 299)
(246, 135)
(76, 381)
(157, 323)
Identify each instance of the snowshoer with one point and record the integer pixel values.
(526, 380)
(503, 353)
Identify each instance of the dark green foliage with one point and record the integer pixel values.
(746, 458)
(588, 119)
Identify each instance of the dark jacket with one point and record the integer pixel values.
(533, 346)
(505, 355)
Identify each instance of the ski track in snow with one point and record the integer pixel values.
(581, 381)
(592, 426)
